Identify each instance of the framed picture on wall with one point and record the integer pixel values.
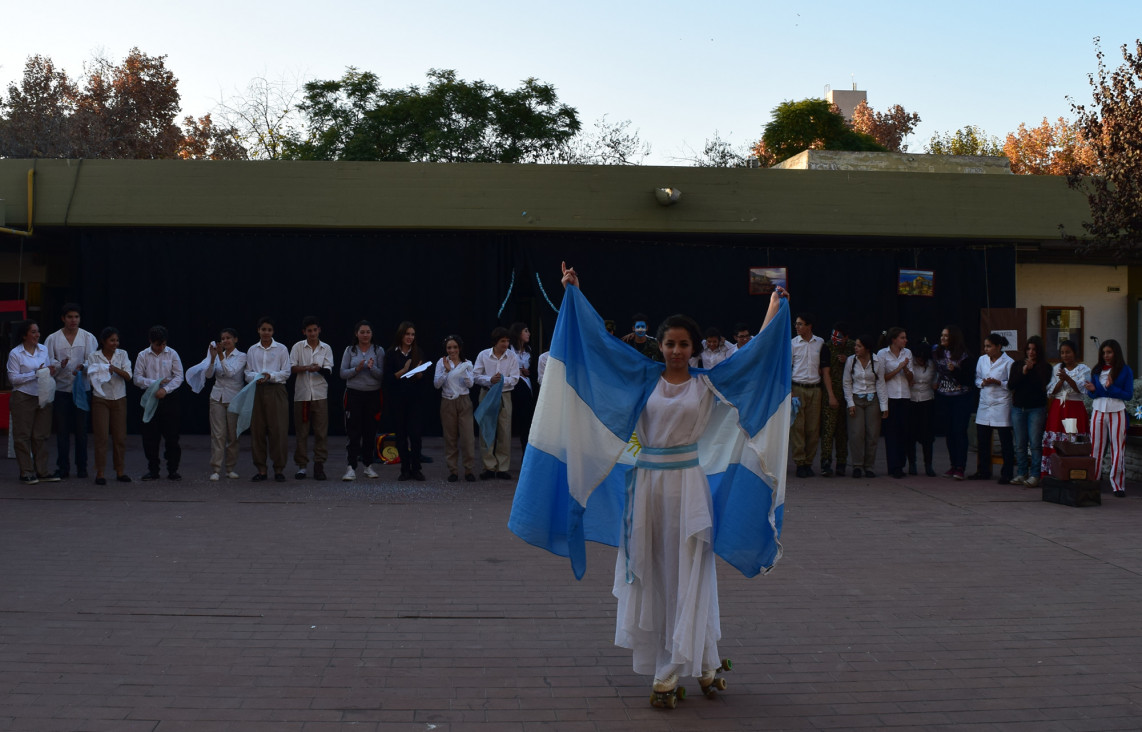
(1062, 324)
(919, 282)
(762, 280)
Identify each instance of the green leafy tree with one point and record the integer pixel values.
(1112, 126)
(968, 140)
(810, 124)
(449, 120)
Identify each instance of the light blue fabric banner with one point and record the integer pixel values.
(79, 393)
(243, 405)
(489, 412)
(149, 401)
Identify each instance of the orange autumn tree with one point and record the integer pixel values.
(888, 128)
(1050, 149)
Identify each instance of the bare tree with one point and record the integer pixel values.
(265, 116)
(717, 152)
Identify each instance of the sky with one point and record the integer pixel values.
(680, 72)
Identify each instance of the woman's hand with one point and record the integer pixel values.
(570, 277)
(852, 411)
(1089, 387)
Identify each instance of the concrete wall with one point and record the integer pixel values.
(1085, 285)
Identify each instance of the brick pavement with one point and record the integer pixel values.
(913, 604)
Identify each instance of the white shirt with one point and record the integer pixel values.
(524, 358)
(807, 360)
(994, 399)
(487, 366)
(75, 352)
(710, 359)
(542, 366)
(1106, 404)
(897, 386)
(454, 382)
(1080, 374)
(151, 367)
(273, 361)
(22, 368)
(923, 382)
(105, 383)
(229, 374)
(311, 386)
(861, 379)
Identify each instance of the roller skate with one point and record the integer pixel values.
(666, 693)
(711, 683)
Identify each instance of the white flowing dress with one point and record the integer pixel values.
(665, 579)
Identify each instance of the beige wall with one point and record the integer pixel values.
(1076, 285)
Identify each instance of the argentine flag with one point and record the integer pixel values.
(582, 447)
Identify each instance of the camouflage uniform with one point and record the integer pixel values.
(834, 422)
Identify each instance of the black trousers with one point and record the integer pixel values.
(408, 423)
(163, 426)
(895, 430)
(983, 448)
(361, 409)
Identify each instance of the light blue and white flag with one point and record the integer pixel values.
(149, 401)
(195, 376)
(79, 393)
(487, 414)
(572, 486)
(243, 405)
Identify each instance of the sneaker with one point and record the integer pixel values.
(232, 475)
(279, 477)
(29, 479)
(504, 475)
(350, 474)
(173, 475)
(215, 477)
(151, 476)
(1019, 480)
(417, 475)
(826, 472)
(53, 478)
(869, 474)
(300, 474)
(453, 478)
(958, 474)
(1120, 494)
(123, 478)
(100, 481)
(1032, 482)
(951, 473)
(856, 472)
(58, 475)
(368, 472)
(319, 471)
(487, 475)
(470, 478)
(259, 478)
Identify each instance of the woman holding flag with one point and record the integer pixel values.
(704, 473)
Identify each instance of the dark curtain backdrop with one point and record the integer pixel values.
(196, 282)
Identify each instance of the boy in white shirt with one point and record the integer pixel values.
(70, 346)
(267, 362)
(160, 363)
(492, 365)
(312, 361)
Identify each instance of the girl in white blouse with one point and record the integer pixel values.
(867, 401)
(1065, 390)
(991, 373)
(109, 369)
(923, 399)
(454, 379)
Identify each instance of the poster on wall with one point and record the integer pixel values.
(762, 280)
(918, 282)
(1062, 324)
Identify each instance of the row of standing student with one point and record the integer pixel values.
(108, 369)
(1024, 401)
